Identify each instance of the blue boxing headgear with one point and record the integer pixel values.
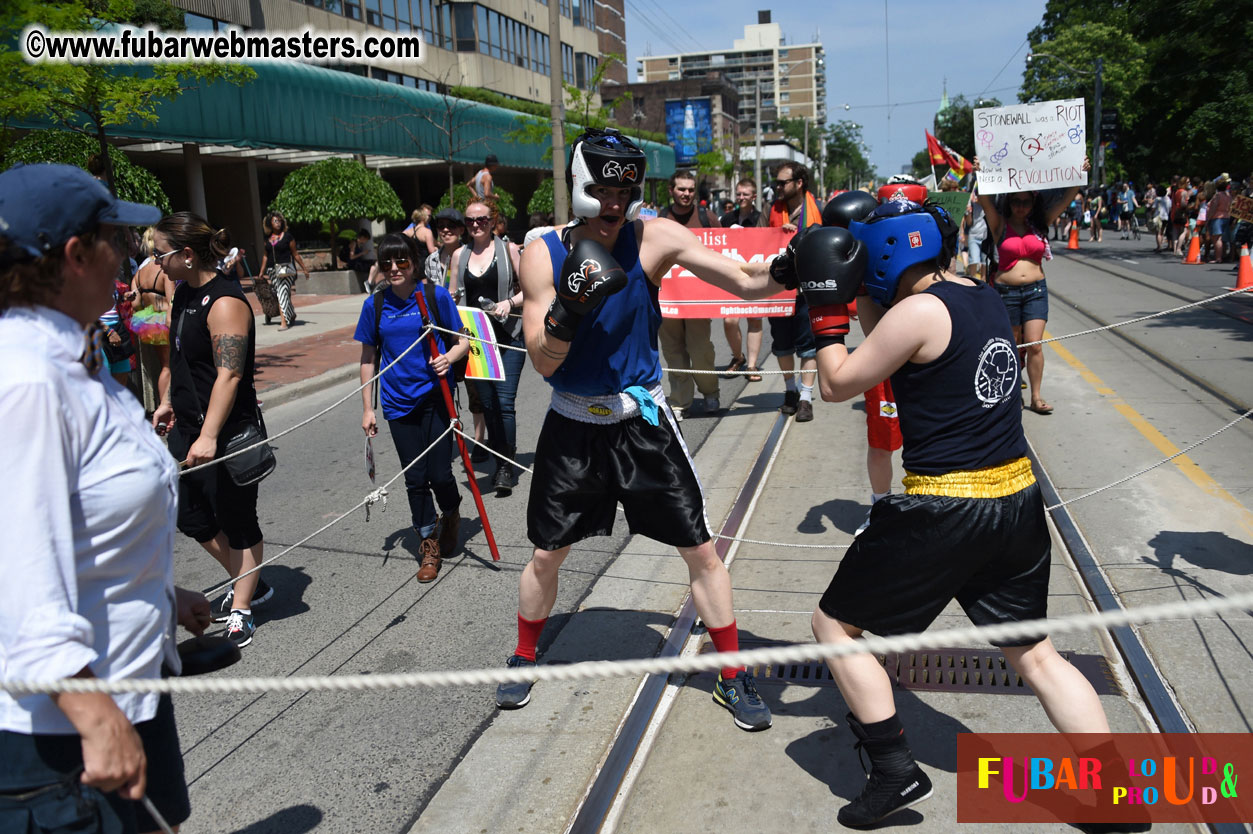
(605, 157)
(898, 235)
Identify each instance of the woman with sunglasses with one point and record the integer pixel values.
(88, 522)
(486, 271)
(211, 398)
(1019, 223)
(410, 394)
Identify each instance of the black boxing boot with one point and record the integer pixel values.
(894, 783)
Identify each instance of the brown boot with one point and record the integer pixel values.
(449, 528)
(429, 569)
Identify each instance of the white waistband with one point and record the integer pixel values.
(605, 409)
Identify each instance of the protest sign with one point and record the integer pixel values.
(684, 296)
(1242, 208)
(484, 357)
(954, 202)
(1029, 147)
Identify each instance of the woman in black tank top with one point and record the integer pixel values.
(212, 396)
(482, 289)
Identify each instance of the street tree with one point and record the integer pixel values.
(334, 191)
(91, 98)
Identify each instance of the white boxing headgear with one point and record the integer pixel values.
(605, 157)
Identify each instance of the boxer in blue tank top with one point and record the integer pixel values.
(971, 524)
(590, 319)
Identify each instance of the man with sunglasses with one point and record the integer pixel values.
(794, 208)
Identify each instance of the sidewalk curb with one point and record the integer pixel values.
(283, 394)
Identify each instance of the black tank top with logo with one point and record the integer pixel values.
(962, 410)
(191, 356)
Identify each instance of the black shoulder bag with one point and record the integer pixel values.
(258, 462)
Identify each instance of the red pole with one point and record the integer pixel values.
(461, 443)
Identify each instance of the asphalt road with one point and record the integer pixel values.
(348, 603)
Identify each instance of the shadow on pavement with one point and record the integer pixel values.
(295, 819)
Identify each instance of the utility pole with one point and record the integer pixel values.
(561, 200)
(1096, 122)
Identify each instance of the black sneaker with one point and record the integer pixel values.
(739, 695)
(222, 608)
(240, 627)
(515, 695)
(804, 411)
(504, 480)
(791, 399)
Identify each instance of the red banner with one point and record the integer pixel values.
(1124, 777)
(684, 296)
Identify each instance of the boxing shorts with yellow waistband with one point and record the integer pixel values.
(977, 536)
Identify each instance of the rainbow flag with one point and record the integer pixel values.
(484, 357)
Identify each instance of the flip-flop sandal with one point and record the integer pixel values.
(1042, 408)
(753, 375)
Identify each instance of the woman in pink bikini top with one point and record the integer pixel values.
(1017, 225)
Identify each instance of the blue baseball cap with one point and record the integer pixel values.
(44, 205)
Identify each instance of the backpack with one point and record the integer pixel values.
(428, 290)
(703, 216)
(505, 284)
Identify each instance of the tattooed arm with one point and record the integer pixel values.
(230, 323)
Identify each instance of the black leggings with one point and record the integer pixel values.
(412, 434)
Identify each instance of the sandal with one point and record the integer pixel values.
(754, 374)
(1040, 407)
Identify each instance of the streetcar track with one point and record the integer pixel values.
(1214, 391)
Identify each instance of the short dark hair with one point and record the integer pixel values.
(395, 245)
(799, 172)
(682, 175)
(491, 160)
(363, 233)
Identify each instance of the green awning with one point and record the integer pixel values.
(306, 107)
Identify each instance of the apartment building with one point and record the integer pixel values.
(791, 77)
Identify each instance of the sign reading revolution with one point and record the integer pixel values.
(1029, 147)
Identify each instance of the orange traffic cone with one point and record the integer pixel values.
(1074, 236)
(1244, 278)
(1194, 250)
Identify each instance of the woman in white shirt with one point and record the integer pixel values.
(87, 553)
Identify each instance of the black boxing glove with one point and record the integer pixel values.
(783, 267)
(849, 207)
(831, 264)
(588, 276)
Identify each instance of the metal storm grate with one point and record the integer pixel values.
(939, 670)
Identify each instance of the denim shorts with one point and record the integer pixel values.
(792, 334)
(1029, 302)
(974, 246)
(1218, 226)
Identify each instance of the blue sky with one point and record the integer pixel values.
(927, 41)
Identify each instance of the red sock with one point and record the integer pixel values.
(726, 639)
(528, 636)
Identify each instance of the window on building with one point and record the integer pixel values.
(403, 20)
(584, 68)
(484, 39)
(199, 23)
(372, 14)
(463, 26)
(785, 96)
(782, 54)
(567, 63)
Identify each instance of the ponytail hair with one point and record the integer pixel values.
(186, 230)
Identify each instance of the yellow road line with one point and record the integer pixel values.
(1183, 463)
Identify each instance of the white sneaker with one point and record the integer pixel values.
(678, 414)
(712, 405)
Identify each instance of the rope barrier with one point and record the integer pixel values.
(371, 498)
(1135, 320)
(320, 414)
(492, 451)
(596, 669)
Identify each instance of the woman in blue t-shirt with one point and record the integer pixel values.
(410, 395)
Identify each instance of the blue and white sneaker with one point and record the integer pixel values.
(739, 696)
(515, 695)
(240, 627)
(222, 608)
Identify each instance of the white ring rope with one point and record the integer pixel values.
(1135, 320)
(487, 448)
(590, 670)
(1182, 451)
(371, 498)
(421, 335)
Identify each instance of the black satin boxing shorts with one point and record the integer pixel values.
(584, 470)
(921, 551)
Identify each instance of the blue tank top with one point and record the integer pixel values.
(615, 346)
(962, 410)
